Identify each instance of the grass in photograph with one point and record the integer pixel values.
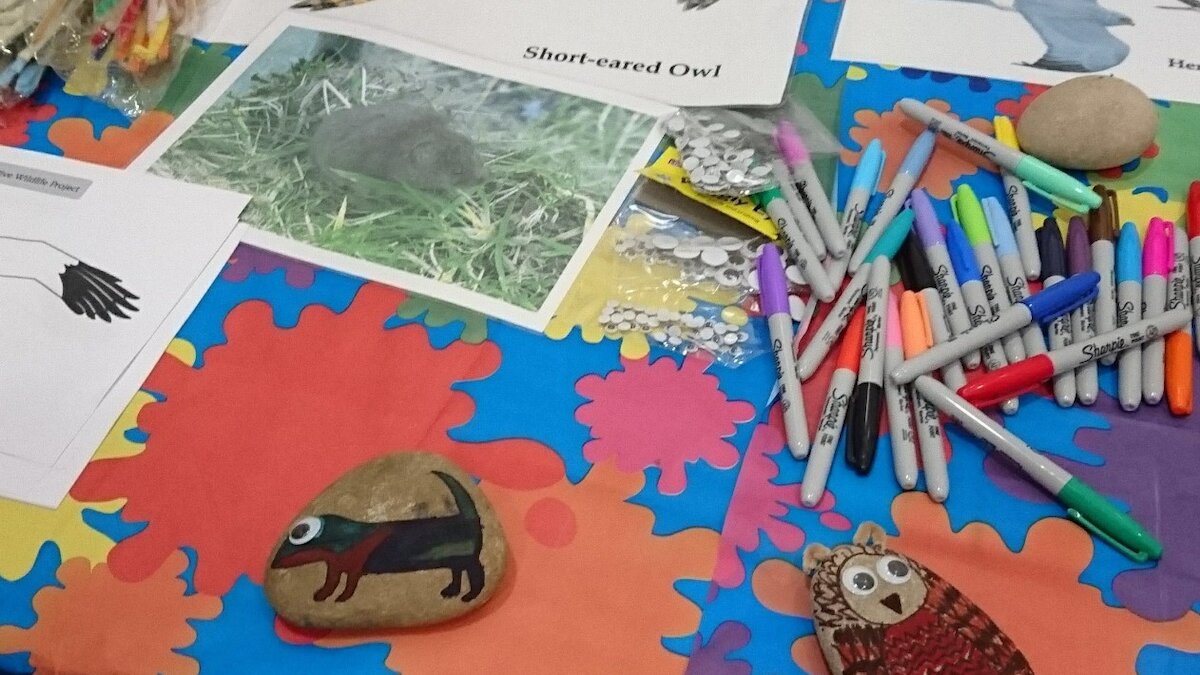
(550, 162)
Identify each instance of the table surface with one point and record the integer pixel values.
(651, 507)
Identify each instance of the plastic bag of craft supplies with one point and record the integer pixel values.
(735, 152)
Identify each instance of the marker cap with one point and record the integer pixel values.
(1079, 249)
(791, 144)
(772, 283)
(1102, 223)
(870, 165)
(915, 272)
(928, 227)
(851, 351)
(999, 227)
(893, 236)
(969, 213)
(1157, 255)
(1129, 254)
(1005, 133)
(1067, 295)
(1008, 382)
(1193, 210)
(918, 155)
(1050, 247)
(916, 334)
(892, 336)
(961, 255)
(766, 196)
(1055, 185)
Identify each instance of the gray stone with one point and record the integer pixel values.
(403, 540)
(1090, 122)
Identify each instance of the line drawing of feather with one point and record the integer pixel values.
(1188, 4)
(85, 290)
(318, 5)
(1075, 32)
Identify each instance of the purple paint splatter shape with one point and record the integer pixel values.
(1151, 462)
(247, 260)
(713, 658)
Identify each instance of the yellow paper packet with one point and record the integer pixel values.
(668, 170)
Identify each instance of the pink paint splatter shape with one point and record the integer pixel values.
(655, 414)
(759, 505)
(247, 260)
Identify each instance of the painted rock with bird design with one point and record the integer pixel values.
(404, 540)
(1090, 122)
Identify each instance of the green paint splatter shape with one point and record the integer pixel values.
(199, 68)
(438, 314)
(1176, 164)
(806, 89)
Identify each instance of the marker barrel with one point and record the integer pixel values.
(791, 398)
(800, 212)
(1060, 337)
(1087, 386)
(1129, 362)
(938, 356)
(933, 452)
(1105, 314)
(888, 210)
(833, 325)
(1017, 199)
(829, 432)
(1018, 289)
(809, 187)
(996, 291)
(799, 250)
(1154, 302)
(1194, 259)
(939, 328)
(899, 411)
(952, 297)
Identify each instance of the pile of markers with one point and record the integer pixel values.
(966, 300)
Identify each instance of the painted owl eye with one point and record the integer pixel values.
(304, 530)
(859, 580)
(892, 569)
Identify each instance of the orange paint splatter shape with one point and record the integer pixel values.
(1034, 595)
(116, 147)
(573, 608)
(98, 623)
(896, 132)
(15, 121)
(275, 415)
(1014, 108)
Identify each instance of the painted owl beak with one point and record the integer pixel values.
(892, 602)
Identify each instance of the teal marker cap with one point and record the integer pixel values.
(968, 211)
(1098, 515)
(766, 196)
(1055, 185)
(893, 237)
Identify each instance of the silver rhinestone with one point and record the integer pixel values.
(711, 346)
(701, 142)
(676, 316)
(664, 241)
(742, 336)
(706, 333)
(676, 124)
(731, 134)
(659, 335)
(690, 162)
(735, 176)
(760, 170)
(714, 256)
(652, 321)
(701, 153)
(711, 160)
(729, 338)
(624, 326)
(642, 318)
(714, 127)
(686, 251)
(674, 341)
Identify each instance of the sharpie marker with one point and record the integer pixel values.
(1085, 506)
(1018, 378)
(1040, 307)
(1157, 260)
(918, 338)
(795, 154)
(1083, 327)
(918, 278)
(1193, 216)
(832, 327)
(934, 242)
(797, 246)
(866, 402)
(976, 223)
(773, 299)
(1102, 230)
(1129, 310)
(899, 402)
(1018, 204)
(1013, 271)
(862, 187)
(910, 170)
(1179, 344)
(796, 207)
(1054, 270)
(1034, 173)
(833, 415)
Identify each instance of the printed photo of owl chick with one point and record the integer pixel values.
(878, 611)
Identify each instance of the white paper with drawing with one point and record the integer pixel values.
(405, 163)
(684, 52)
(93, 265)
(1152, 43)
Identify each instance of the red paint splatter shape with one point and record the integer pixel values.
(654, 414)
(239, 446)
(14, 121)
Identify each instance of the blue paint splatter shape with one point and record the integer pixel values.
(17, 606)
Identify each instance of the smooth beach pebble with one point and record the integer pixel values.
(1090, 122)
(407, 539)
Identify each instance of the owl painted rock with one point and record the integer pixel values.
(878, 611)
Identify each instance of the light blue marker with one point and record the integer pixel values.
(1129, 310)
(1012, 267)
(906, 178)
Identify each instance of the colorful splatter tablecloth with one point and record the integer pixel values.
(651, 506)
